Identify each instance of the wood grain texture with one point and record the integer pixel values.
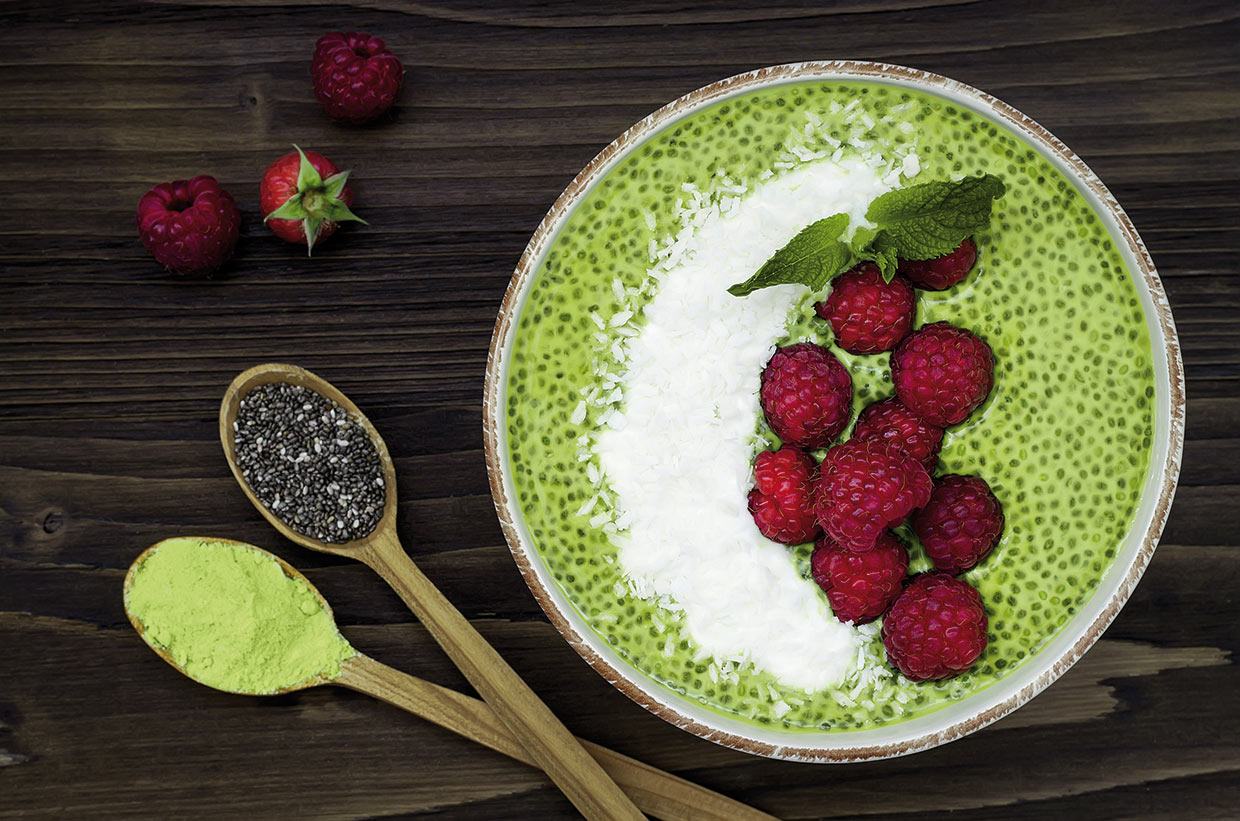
(111, 373)
(654, 791)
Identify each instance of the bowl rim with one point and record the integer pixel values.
(839, 750)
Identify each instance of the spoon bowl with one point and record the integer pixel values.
(163, 652)
(271, 372)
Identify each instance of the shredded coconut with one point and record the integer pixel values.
(677, 453)
(680, 460)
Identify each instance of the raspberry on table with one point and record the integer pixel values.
(942, 373)
(866, 314)
(782, 504)
(960, 524)
(892, 422)
(356, 78)
(943, 272)
(859, 586)
(806, 395)
(286, 180)
(865, 487)
(936, 629)
(190, 226)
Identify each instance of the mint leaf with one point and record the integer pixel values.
(868, 245)
(929, 220)
(810, 258)
(863, 238)
(920, 222)
(885, 259)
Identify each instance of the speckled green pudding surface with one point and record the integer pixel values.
(1064, 439)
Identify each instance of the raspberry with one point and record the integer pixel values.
(859, 586)
(355, 77)
(936, 629)
(960, 524)
(289, 179)
(867, 314)
(189, 226)
(782, 504)
(865, 487)
(806, 395)
(942, 373)
(891, 422)
(941, 272)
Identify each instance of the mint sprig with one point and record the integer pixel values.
(811, 258)
(919, 222)
(868, 244)
(929, 220)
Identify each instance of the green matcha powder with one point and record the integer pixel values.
(231, 619)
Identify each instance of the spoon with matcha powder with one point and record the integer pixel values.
(319, 472)
(237, 618)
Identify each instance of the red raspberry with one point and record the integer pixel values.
(189, 226)
(867, 314)
(941, 272)
(936, 629)
(867, 486)
(806, 395)
(960, 524)
(355, 77)
(301, 177)
(782, 504)
(859, 586)
(943, 373)
(891, 422)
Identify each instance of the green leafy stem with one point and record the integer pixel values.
(919, 222)
(317, 201)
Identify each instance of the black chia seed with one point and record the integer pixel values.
(309, 462)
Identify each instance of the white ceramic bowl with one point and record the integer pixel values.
(980, 708)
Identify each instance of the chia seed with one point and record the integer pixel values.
(310, 462)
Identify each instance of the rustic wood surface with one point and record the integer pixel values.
(111, 372)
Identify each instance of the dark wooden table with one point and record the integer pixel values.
(111, 372)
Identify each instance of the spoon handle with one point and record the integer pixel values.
(657, 792)
(555, 750)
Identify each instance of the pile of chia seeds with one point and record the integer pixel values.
(309, 462)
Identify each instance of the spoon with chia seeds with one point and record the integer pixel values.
(319, 472)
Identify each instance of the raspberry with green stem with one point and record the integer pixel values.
(309, 205)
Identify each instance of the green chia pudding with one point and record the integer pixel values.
(1063, 439)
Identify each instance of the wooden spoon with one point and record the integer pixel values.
(548, 741)
(657, 792)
